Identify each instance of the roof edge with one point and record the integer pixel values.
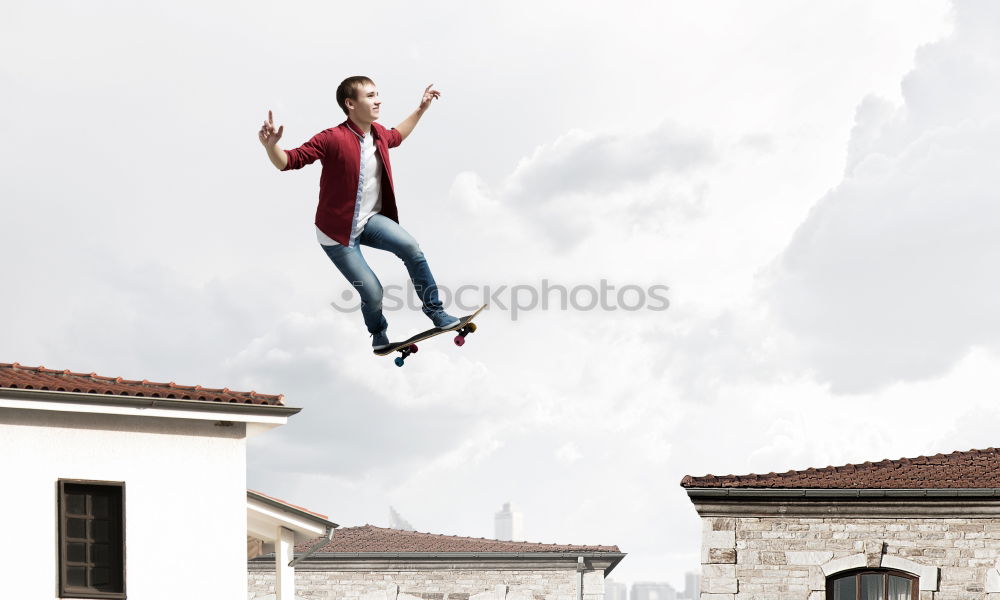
(859, 493)
(149, 402)
(552, 554)
(613, 557)
(265, 499)
(956, 459)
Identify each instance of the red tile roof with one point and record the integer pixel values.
(16, 376)
(369, 538)
(959, 470)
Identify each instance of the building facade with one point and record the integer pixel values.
(100, 471)
(375, 563)
(926, 527)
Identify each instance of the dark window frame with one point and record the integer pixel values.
(857, 573)
(115, 491)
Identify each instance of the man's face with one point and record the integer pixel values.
(365, 105)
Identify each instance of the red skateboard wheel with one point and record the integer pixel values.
(459, 340)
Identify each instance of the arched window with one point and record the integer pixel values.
(872, 584)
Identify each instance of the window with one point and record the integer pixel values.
(872, 584)
(91, 539)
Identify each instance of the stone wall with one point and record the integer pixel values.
(433, 584)
(784, 557)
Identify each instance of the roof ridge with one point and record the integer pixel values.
(41, 378)
(461, 537)
(862, 469)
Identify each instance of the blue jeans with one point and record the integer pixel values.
(383, 233)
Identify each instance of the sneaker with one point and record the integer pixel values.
(380, 341)
(444, 321)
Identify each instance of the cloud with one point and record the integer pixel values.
(589, 185)
(891, 275)
(136, 319)
(602, 163)
(568, 453)
(363, 417)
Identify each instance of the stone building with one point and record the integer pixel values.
(375, 563)
(925, 527)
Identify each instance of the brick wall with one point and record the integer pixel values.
(777, 558)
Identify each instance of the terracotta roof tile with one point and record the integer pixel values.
(960, 470)
(16, 376)
(369, 538)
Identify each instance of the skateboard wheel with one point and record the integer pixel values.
(459, 340)
(413, 348)
(472, 327)
(399, 361)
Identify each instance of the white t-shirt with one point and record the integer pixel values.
(370, 188)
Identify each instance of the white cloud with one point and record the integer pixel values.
(598, 186)
(891, 276)
(568, 453)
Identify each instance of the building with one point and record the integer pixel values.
(275, 527)
(376, 563)
(925, 527)
(614, 590)
(692, 586)
(120, 488)
(508, 524)
(646, 590)
(134, 489)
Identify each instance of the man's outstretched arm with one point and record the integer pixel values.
(269, 137)
(407, 126)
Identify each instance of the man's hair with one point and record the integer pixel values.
(348, 88)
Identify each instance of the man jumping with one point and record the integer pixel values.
(357, 205)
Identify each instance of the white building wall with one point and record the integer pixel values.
(185, 500)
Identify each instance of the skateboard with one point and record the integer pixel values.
(465, 327)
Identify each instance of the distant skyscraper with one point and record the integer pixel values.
(647, 590)
(692, 585)
(509, 524)
(396, 521)
(614, 590)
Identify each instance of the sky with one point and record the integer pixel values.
(790, 206)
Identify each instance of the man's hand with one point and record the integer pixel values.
(268, 135)
(406, 127)
(429, 96)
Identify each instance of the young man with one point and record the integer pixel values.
(357, 205)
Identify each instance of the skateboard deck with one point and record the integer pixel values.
(464, 327)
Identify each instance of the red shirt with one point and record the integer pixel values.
(339, 150)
